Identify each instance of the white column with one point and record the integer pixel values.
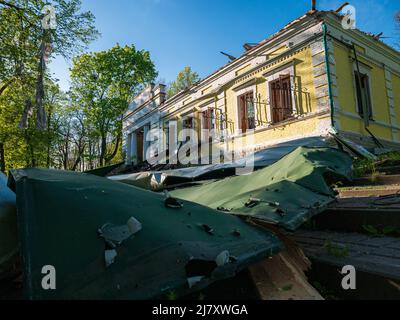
(133, 152)
(128, 146)
(145, 142)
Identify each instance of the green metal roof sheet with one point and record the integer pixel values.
(159, 180)
(74, 222)
(8, 229)
(286, 193)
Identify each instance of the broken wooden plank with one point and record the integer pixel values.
(354, 214)
(282, 277)
(378, 256)
(388, 202)
(379, 180)
(368, 191)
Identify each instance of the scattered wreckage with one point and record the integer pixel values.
(109, 239)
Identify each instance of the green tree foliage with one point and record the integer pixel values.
(103, 84)
(24, 83)
(185, 79)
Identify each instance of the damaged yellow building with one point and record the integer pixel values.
(314, 75)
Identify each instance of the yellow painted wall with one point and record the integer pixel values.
(344, 72)
(396, 96)
(243, 70)
(347, 96)
(296, 130)
(380, 102)
(306, 100)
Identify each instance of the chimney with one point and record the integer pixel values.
(313, 5)
(160, 93)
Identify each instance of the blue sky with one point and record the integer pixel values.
(181, 33)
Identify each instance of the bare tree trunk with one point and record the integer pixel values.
(5, 86)
(66, 150)
(103, 149)
(31, 153)
(30, 158)
(41, 114)
(81, 150)
(117, 143)
(90, 155)
(48, 160)
(2, 159)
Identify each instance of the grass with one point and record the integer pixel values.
(363, 167)
(381, 231)
(336, 250)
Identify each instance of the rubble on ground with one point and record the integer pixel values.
(113, 240)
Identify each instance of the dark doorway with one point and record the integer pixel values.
(139, 144)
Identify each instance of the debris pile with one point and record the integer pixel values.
(113, 240)
(287, 193)
(108, 240)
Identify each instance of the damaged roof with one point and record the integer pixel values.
(287, 193)
(318, 15)
(160, 180)
(108, 240)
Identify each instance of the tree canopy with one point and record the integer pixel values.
(25, 83)
(103, 84)
(41, 126)
(185, 79)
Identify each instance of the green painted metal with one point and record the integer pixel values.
(160, 180)
(8, 229)
(104, 171)
(60, 214)
(286, 193)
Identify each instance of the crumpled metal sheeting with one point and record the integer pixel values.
(158, 180)
(286, 193)
(144, 180)
(61, 213)
(104, 171)
(8, 228)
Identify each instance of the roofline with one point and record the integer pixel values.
(262, 44)
(367, 35)
(316, 15)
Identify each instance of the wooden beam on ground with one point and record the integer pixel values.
(373, 255)
(282, 277)
(354, 214)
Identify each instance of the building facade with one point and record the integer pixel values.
(313, 75)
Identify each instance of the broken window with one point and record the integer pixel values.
(247, 120)
(363, 94)
(281, 99)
